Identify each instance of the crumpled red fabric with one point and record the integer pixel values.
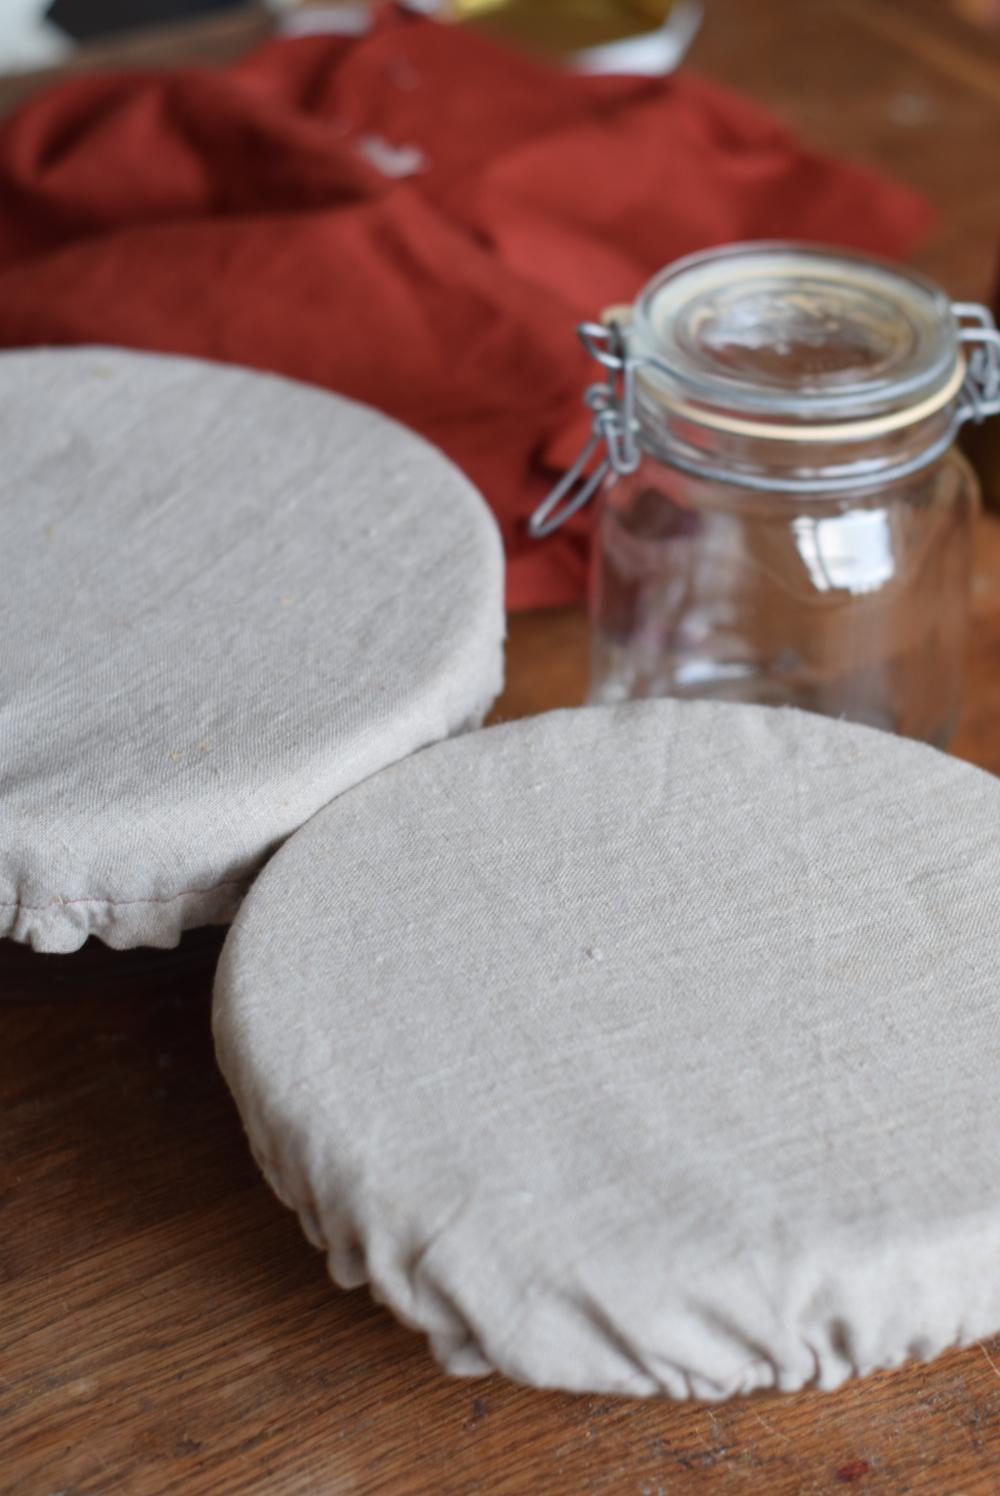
(416, 218)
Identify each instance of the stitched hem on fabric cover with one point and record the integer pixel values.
(63, 925)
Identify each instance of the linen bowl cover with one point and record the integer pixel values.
(226, 599)
(646, 1049)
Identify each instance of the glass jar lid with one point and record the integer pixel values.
(797, 333)
(790, 345)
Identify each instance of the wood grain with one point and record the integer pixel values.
(163, 1326)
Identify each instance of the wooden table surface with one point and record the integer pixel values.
(163, 1325)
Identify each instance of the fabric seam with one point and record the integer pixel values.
(57, 901)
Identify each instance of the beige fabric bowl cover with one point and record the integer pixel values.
(226, 599)
(646, 1049)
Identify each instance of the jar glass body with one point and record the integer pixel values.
(850, 602)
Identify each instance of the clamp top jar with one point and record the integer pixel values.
(784, 517)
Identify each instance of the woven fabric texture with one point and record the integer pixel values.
(227, 599)
(646, 1050)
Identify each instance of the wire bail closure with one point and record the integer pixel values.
(615, 425)
(981, 388)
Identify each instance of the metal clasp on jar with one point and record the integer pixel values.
(615, 426)
(979, 335)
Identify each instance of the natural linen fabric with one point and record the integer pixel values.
(646, 1049)
(226, 599)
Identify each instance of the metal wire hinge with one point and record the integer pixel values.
(614, 426)
(979, 337)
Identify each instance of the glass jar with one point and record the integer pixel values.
(783, 515)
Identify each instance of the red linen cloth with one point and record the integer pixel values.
(416, 218)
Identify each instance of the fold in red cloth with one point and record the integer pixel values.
(416, 218)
